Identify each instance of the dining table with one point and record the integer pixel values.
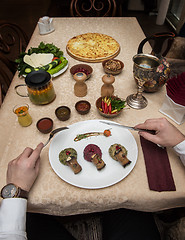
(51, 194)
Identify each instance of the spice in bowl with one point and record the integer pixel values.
(63, 113)
(83, 107)
(85, 68)
(113, 66)
(110, 106)
(45, 125)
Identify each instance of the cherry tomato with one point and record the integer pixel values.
(107, 133)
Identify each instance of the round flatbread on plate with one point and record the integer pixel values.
(93, 47)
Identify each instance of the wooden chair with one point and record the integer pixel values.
(13, 41)
(95, 8)
(1, 100)
(6, 75)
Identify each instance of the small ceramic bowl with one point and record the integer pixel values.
(83, 107)
(107, 115)
(45, 125)
(113, 66)
(63, 113)
(82, 68)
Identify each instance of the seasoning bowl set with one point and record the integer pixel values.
(40, 91)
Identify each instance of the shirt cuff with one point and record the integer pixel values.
(13, 215)
(180, 150)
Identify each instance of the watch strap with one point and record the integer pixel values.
(21, 193)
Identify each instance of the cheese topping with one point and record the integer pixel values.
(93, 46)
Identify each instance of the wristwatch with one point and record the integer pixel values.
(13, 191)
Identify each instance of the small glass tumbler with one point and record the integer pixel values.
(24, 117)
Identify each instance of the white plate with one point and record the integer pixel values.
(58, 73)
(61, 71)
(90, 177)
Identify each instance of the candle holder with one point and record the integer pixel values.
(144, 70)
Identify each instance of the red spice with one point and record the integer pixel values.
(68, 152)
(82, 106)
(45, 124)
(117, 147)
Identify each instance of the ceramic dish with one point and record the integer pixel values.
(85, 68)
(90, 177)
(82, 107)
(45, 125)
(63, 113)
(107, 115)
(113, 66)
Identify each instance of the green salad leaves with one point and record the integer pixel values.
(42, 48)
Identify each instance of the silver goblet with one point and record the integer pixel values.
(144, 69)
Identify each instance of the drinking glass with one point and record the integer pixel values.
(144, 69)
(23, 115)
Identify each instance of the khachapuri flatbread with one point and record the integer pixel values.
(93, 47)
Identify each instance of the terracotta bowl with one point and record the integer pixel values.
(85, 68)
(83, 107)
(63, 113)
(45, 125)
(107, 115)
(110, 70)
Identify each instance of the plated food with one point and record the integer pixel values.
(45, 57)
(93, 47)
(68, 157)
(92, 153)
(90, 177)
(119, 153)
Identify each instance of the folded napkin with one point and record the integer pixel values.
(158, 168)
(176, 89)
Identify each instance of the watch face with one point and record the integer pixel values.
(9, 191)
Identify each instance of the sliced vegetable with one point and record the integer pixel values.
(24, 68)
(58, 67)
(111, 105)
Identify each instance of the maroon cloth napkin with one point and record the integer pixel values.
(176, 89)
(158, 168)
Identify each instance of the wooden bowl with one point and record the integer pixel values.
(85, 68)
(107, 115)
(83, 107)
(63, 113)
(113, 70)
(45, 125)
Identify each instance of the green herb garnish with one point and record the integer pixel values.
(42, 48)
(117, 104)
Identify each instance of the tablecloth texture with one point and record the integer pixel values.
(52, 195)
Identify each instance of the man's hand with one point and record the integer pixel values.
(24, 170)
(166, 135)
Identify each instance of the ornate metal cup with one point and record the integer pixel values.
(144, 69)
